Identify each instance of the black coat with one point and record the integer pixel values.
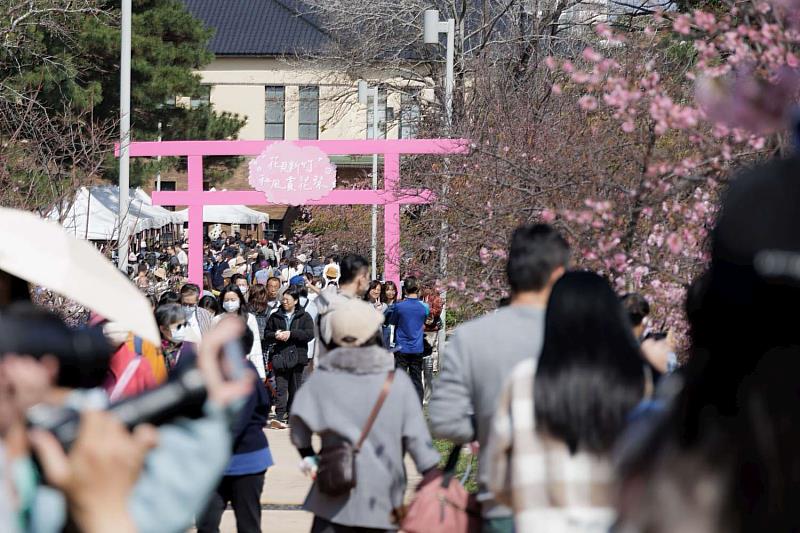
(301, 332)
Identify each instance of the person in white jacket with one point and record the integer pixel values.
(233, 302)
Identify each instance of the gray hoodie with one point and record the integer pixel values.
(335, 403)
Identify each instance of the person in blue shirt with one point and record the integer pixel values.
(409, 320)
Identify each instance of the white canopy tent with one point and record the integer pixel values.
(93, 214)
(229, 214)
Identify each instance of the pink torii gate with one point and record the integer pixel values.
(391, 197)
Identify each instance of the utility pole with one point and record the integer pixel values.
(432, 28)
(124, 136)
(364, 92)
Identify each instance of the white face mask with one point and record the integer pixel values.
(177, 334)
(231, 306)
(243, 290)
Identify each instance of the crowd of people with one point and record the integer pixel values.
(580, 414)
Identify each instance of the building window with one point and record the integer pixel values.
(169, 102)
(275, 113)
(166, 185)
(382, 118)
(203, 97)
(309, 112)
(409, 116)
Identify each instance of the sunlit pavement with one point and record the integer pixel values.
(285, 488)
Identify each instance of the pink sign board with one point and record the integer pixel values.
(290, 174)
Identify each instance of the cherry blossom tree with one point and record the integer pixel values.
(623, 134)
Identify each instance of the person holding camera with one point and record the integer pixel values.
(290, 329)
(106, 482)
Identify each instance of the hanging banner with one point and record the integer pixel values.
(290, 174)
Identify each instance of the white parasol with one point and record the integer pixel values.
(43, 253)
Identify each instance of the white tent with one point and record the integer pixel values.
(93, 214)
(228, 214)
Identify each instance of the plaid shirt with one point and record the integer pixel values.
(533, 473)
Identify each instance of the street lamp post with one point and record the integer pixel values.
(432, 28)
(124, 135)
(364, 92)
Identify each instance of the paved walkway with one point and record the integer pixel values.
(285, 489)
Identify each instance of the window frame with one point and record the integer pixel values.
(301, 102)
(267, 122)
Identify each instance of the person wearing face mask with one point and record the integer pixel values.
(172, 325)
(198, 319)
(233, 303)
(241, 282)
(291, 329)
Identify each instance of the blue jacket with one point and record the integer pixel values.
(251, 453)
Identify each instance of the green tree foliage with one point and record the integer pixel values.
(76, 71)
(168, 44)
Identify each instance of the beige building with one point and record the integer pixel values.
(258, 74)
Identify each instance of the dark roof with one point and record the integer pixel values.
(259, 27)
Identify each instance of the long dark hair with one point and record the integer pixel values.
(590, 373)
(386, 285)
(243, 309)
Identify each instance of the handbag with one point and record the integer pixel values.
(336, 473)
(443, 505)
(285, 359)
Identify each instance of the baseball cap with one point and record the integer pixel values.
(297, 280)
(353, 322)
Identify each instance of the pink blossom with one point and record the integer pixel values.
(604, 31)
(547, 215)
(628, 126)
(550, 62)
(589, 54)
(580, 77)
(682, 24)
(556, 89)
(704, 20)
(745, 101)
(588, 103)
(674, 243)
